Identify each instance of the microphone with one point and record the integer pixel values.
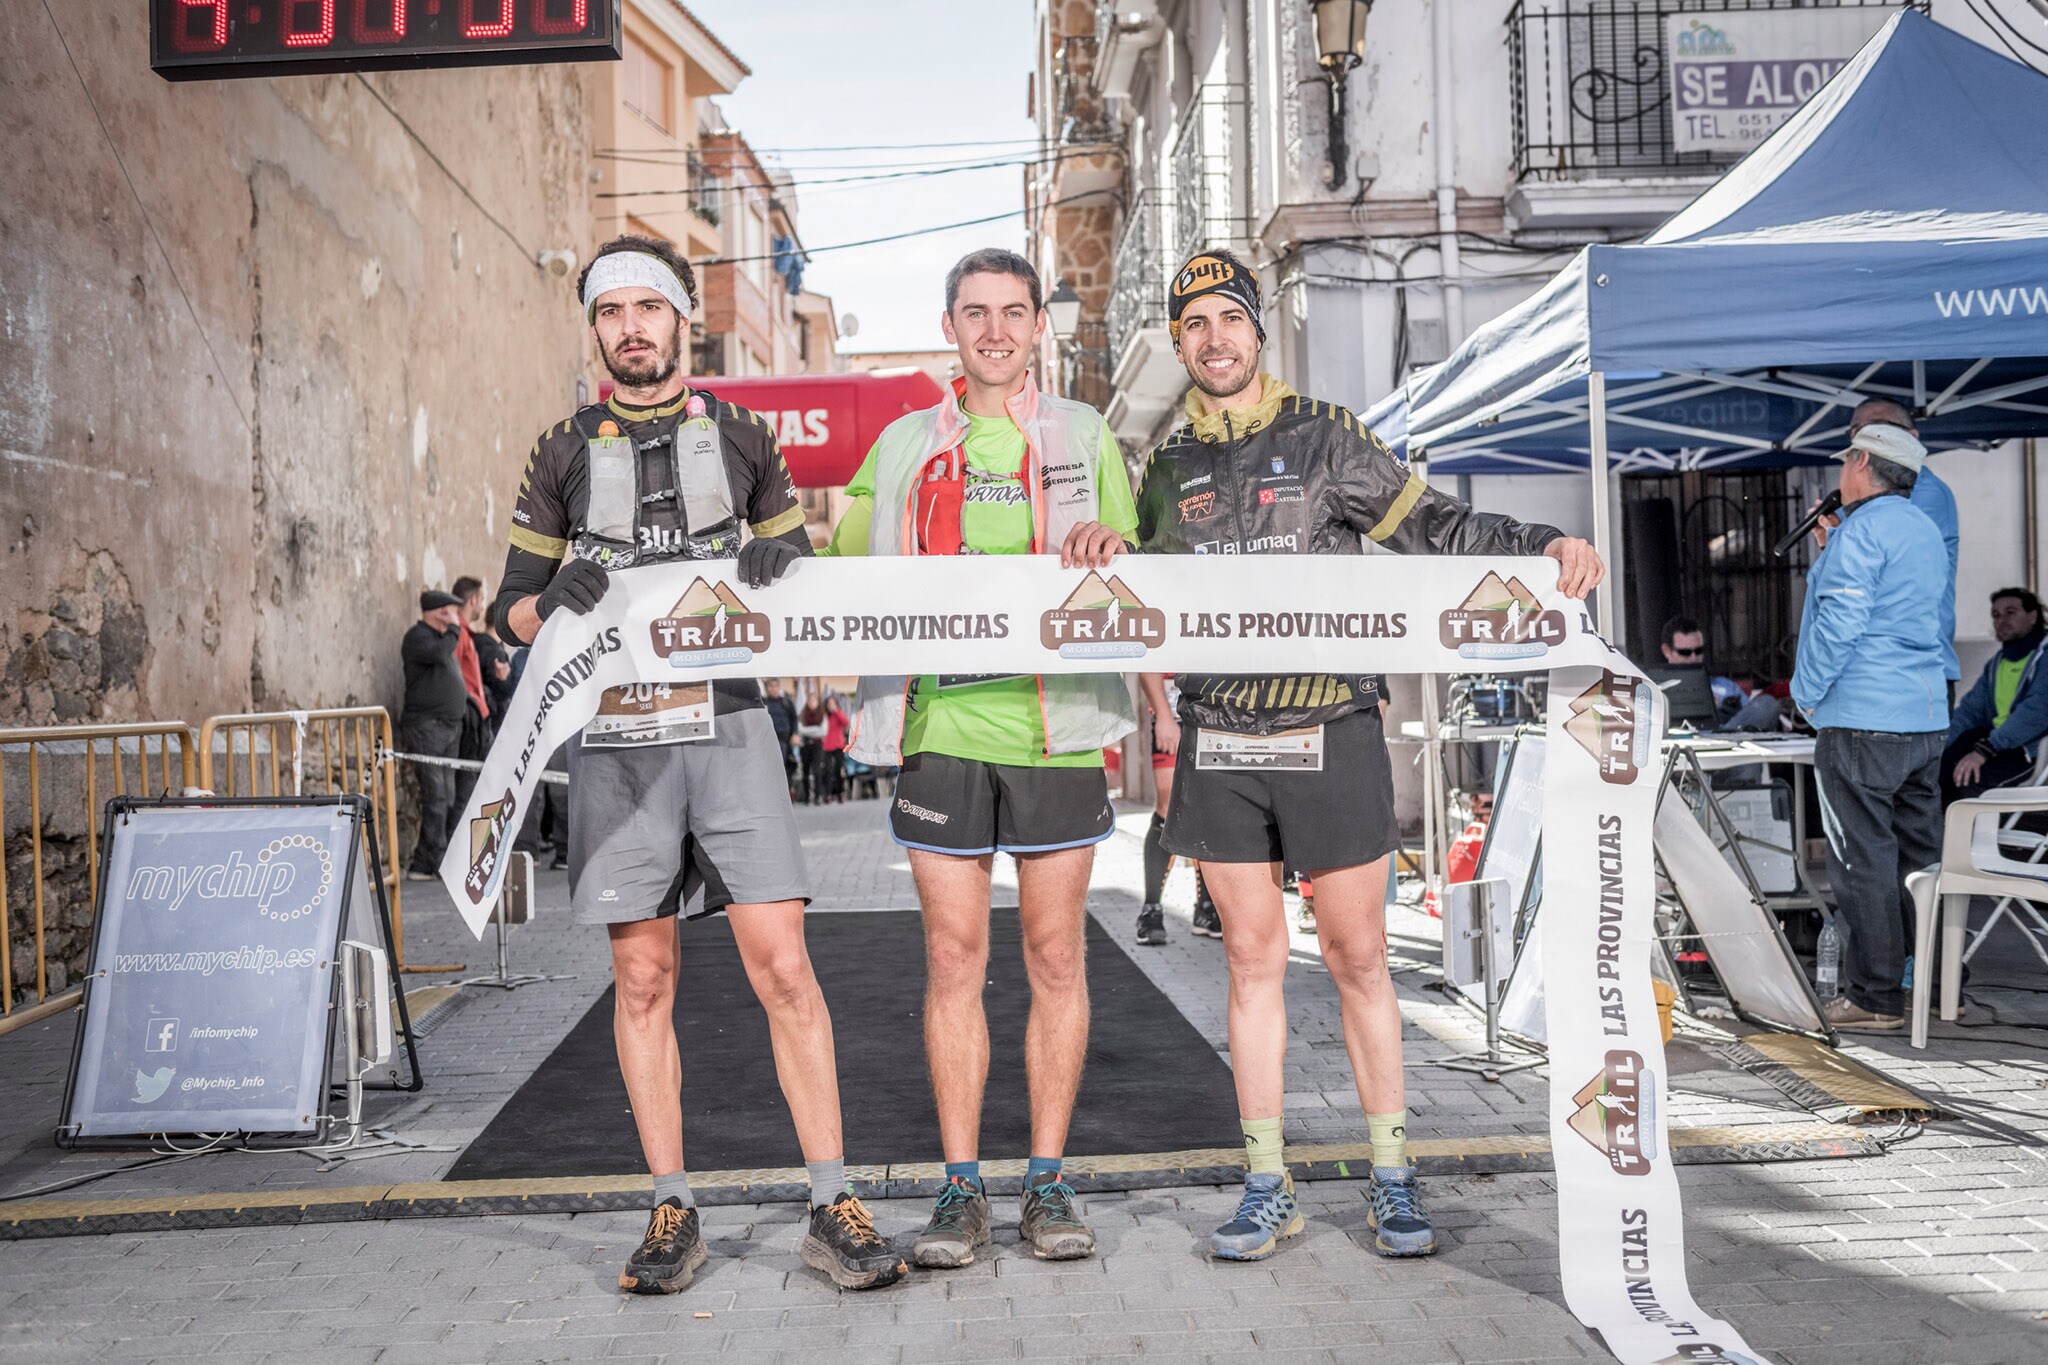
(1826, 507)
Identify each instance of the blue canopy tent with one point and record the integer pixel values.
(1891, 239)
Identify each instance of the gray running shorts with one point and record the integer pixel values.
(682, 827)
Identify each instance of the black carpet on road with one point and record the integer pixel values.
(1152, 1083)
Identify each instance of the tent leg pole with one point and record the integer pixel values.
(1606, 609)
(2031, 511)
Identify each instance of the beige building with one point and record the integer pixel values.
(757, 319)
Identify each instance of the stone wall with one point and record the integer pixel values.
(272, 353)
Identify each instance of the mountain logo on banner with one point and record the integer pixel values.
(709, 625)
(1501, 619)
(486, 838)
(1616, 1113)
(1611, 721)
(1102, 620)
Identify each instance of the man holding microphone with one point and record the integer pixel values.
(1870, 680)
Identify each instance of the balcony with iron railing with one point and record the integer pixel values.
(1085, 156)
(1124, 31)
(1145, 376)
(1209, 205)
(1591, 105)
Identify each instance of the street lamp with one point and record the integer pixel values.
(1063, 311)
(1340, 47)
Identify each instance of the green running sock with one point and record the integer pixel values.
(1262, 1150)
(1389, 1137)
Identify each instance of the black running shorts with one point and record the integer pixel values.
(963, 806)
(1313, 821)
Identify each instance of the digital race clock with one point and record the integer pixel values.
(220, 39)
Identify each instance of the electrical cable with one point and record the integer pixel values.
(453, 179)
(2013, 28)
(901, 236)
(805, 185)
(227, 391)
(1999, 27)
(166, 1159)
(885, 146)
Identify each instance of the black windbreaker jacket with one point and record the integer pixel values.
(1292, 475)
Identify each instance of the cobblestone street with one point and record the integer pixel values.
(1936, 1250)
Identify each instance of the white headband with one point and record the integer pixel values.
(633, 270)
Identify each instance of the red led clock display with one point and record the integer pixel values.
(221, 39)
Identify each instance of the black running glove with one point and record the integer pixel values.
(765, 559)
(577, 585)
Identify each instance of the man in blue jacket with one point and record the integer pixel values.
(1870, 680)
(1933, 497)
(1992, 736)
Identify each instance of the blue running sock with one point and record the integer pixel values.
(1041, 1165)
(964, 1170)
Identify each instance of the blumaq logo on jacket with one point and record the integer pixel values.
(1617, 1114)
(709, 625)
(486, 838)
(1102, 620)
(1611, 721)
(1500, 620)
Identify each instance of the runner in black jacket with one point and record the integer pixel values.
(1261, 469)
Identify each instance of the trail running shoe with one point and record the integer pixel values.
(959, 1224)
(1050, 1225)
(670, 1254)
(1267, 1213)
(1207, 921)
(843, 1243)
(1306, 919)
(1151, 926)
(1394, 1211)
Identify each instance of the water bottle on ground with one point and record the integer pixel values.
(1827, 962)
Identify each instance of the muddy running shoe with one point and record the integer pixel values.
(670, 1254)
(1267, 1213)
(1394, 1211)
(958, 1225)
(1049, 1224)
(1151, 926)
(843, 1243)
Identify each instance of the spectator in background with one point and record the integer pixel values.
(782, 715)
(431, 723)
(1869, 679)
(1932, 497)
(833, 747)
(476, 722)
(1993, 734)
(500, 663)
(810, 732)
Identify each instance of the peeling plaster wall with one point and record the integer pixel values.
(266, 383)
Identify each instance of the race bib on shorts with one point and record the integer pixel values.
(1297, 751)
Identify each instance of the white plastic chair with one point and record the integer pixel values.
(1972, 864)
(2035, 848)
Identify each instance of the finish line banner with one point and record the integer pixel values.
(1621, 1234)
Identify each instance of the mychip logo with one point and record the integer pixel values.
(1500, 619)
(1616, 1113)
(486, 837)
(1708, 1353)
(1611, 721)
(1102, 620)
(709, 625)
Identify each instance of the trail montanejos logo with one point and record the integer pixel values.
(1611, 721)
(1102, 621)
(486, 837)
(1707, 1353)
(1500, 620)
(1616, 1113)
(709, 625)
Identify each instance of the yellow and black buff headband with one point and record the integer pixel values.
(1209, 274)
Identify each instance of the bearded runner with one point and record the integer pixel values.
(676, 794)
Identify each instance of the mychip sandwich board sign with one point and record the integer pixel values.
(208, 1005)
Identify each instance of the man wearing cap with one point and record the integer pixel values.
(1869, 679)
(436, 699)
(1933, 497)
(664, 818)
(1260, 469)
